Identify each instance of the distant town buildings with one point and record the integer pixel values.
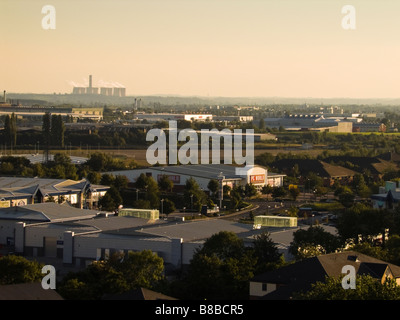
(155, 117)
(312, 122)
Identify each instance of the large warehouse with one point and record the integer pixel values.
(203, 173)
(77, 237)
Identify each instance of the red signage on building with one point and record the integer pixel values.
(173, 178)
(259, 178)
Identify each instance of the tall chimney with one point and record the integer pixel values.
(90, 81)
(5, 101)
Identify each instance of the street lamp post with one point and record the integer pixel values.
(221, 189)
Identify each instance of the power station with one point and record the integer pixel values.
(115, 91)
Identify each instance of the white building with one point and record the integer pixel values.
(155, 117)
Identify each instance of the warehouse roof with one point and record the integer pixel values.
(14, 187)
(210, 171)
(119, 223)
(46, 212)
(200, 230)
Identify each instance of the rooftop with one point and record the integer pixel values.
(46, 212)
(300, 275)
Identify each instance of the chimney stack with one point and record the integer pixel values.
(5, 100)
(90, 81)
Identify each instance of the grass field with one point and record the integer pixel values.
(139, 155)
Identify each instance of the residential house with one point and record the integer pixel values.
(283, 283)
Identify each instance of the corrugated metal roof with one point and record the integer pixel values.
(48, 211)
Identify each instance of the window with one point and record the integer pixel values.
(264, 287)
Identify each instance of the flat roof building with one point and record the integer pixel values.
(203, 173)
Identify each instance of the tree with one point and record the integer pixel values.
(107, 179)
(278, 192)
(266, 189)
(111, 200)
(46, 133)
(262, 124)
(16, 269)
(345, 195)
(313, 241)
(221, 269)
(294, 193)
(250, 190)
(213, 186)
(118, 274)
(57, 130)
(363, 223)
(165, 183)
(194, 195)
(266, 252)
(367, 288)
(168, 207)
(120, 182)
(10, 130)
(236, 196)
(94, 177)
(142, 269)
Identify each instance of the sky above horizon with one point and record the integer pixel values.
(230, 48)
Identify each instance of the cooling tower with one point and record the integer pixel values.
(106, 91)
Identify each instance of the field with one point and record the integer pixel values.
(139, 155)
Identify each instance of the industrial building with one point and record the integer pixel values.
(156, 117)
(203, 173)
(116, 91)
(16, 191)
(33, 113)
(77, 237)
(312, 122)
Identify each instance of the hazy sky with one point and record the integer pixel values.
(260, 48)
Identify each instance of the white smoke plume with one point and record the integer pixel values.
(100, 83)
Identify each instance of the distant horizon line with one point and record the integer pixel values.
(207, 96)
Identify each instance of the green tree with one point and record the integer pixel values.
(313, 241)
(93, 177)
(194, 195)
(118, 274)
(10, 130)
(250, 190)
(120, 182)
(346, 196)
(221, 269)
(57, 130)
(46, 129)
(278, 192)
(213, 186)
(367, 288)
(111, 200)
(294, 193)
(142, 269)
(267, 253)
(167, 207)
(165, 183)
(16, 269)
(107, 179)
